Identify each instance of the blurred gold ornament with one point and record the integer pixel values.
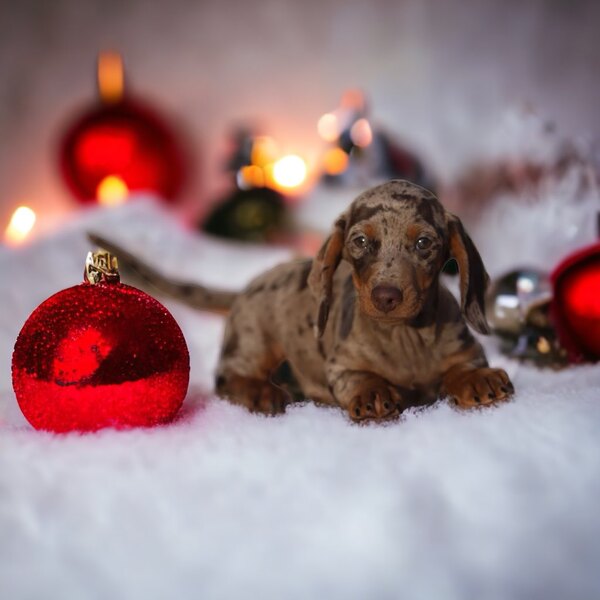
(101, 266)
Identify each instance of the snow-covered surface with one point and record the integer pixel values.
(491, 504)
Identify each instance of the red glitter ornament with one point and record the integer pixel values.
(576, 304)
(120, 145)
(100, 354)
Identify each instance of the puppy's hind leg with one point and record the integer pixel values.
(248, 360)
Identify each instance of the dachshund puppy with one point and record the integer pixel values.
(367, 325)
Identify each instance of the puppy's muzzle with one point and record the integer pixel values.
(386, 297)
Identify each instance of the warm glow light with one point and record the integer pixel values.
(110, 77)
(112, 190)
(335, 161)
(21, 223)
(250, 177)
(354, 99)
(264, 151)
(289, 171)
(328, 127)
(361, 134)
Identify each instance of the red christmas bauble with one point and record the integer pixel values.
(125, 140)
(98, 355)
(576, 304)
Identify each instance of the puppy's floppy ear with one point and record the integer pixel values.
(473, 277)
(320, 279)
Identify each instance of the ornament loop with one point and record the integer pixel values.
(101, 267)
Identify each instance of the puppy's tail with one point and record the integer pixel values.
(138, 272)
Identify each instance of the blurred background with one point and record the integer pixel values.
(260, 121)
(437, 76)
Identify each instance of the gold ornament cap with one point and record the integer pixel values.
(101, 267)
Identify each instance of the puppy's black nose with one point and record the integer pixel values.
(386, 298)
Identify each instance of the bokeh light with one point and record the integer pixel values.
(361, 133)
(20, 225)
(112, 191)
(328, 127)
(335, 161)
(110, 77)
(264, 151)
(354, 99)
(250, 176)
(289, 171)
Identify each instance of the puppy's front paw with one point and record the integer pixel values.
(374, 402)
(478, 387)
(255, 394)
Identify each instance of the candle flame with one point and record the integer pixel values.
(112, 191)
(110, 77)
(20, 225)
(289, 171)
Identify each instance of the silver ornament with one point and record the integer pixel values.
(518, 310)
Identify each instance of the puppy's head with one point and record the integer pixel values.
(397, 237)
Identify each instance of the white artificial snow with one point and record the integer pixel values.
(490, 504)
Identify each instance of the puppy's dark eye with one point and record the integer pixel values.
(360, 241)
(423, 243)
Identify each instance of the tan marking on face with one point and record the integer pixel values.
(370, 230)
(412, 232)
(363, 291)
(423, 279)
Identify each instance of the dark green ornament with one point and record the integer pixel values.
(254, 215)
